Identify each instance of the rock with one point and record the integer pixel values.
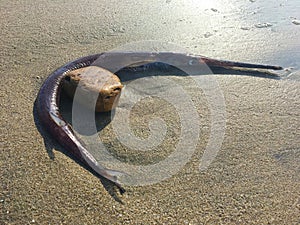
(93, 82)
(296, 22)
(263, 25)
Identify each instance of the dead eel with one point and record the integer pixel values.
(49, 96)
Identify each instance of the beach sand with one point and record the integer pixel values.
(255, 177)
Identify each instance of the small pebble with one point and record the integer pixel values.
(207, 35)
(296, 22)
(263, 25)
(245, 28)
(289, 69)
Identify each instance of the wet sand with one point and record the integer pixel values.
(253, 180)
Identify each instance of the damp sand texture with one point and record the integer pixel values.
(254, 178)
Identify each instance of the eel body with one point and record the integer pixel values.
(49, 96)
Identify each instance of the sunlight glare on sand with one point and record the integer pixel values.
(205, 3)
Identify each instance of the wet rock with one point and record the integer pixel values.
(93, 85)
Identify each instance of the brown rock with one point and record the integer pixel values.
(93, 82)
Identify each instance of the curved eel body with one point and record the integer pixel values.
(49, 97)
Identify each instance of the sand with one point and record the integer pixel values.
(255, 177)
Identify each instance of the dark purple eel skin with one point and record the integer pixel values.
(49, 96)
